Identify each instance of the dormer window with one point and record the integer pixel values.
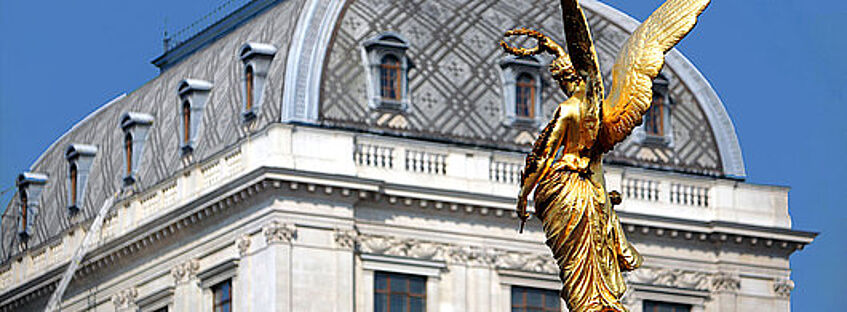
(193, 94)
(80, 157)
(388, 69)
(30, 185)
(521, 77)
(390, 78)
(135, 127)
(656, 126)
(525, 96)
(257, 59)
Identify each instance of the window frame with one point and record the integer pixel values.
(374, 51)
(216, 303)
(520, 96)
(249, 86)
(658, 116)
(23, 197)
(128, 153)
(525, 302)
(512, 68)
(408, 295)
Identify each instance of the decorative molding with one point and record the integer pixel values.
(243, 244)
(278, 232)
(674, 278)
(186, 271)
(527, 262)
(782, 287)
(411, 248)
(345, 239)
(726, 282)
(125, 299)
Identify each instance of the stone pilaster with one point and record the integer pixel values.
(725, 287)
(187, 293)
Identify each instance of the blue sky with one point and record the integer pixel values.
(778, 66)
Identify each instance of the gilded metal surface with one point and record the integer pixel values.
(566, 162)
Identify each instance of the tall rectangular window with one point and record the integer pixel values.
(399, 293)
(525, 299)
(658, 306)
(222, 294)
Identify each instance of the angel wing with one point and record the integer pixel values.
(580, 46)
(640, 60)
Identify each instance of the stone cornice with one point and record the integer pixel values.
(357, 189)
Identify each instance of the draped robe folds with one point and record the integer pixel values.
(586, 238)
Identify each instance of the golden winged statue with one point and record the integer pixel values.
(566, 162)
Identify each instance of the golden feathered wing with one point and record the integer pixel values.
(640, 60)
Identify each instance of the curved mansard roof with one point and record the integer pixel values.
(317, 76)
(222, 124)
(456, 91)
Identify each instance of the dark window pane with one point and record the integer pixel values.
(517, 310)
(399, 284)
(417, 304)
(533, 310)
(226, 308)
(398, 302)
(381, 303)
(533, 299)
(381, 282)
(416, 286)
(551, 301)
(658, 306)
(518, 296)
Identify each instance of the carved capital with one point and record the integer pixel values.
(474, 256)
(124, 300)
(243, 244)
(277, 232)
(186, 271)
(726, 282)
(782, 287)
(345, 239)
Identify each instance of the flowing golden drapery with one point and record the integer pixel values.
(586, 238)
(566, 162)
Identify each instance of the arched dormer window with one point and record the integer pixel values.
(389, 78)
(525, 96)
(30, 185)
(186, 121)
(521, 77)
(388, 69)
(128, 153)
(80, 158)
(656, 124)
(135, 127)
(193, 94)
(257, 59)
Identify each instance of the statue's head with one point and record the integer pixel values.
(561, 67)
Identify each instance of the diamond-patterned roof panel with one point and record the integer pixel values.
(455, 86)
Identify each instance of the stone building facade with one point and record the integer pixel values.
(363, 155)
